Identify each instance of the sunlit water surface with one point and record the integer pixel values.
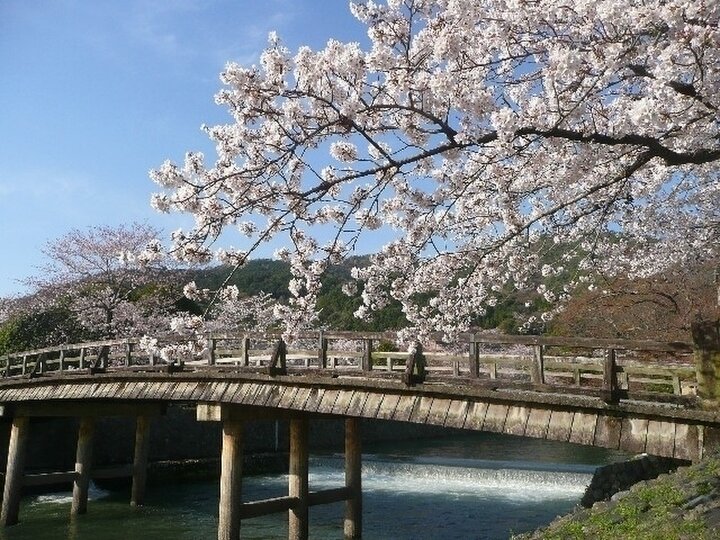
(476, 486)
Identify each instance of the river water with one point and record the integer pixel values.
(479, 486)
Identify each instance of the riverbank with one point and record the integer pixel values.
(681, 505)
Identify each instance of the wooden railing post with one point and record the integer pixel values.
(415, 366)
(128, 353)
(61, 360)
(278, 363)
(610, 381)
(103, 358)
(367, 355)
(39, 367)
(212, 345)
(492, 370)
(474, 359)
(322, 351)
(24, 364)
(245, 351)
(537, 368)
(677, 385)
(706, 352)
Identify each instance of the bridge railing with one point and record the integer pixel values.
(611, 369)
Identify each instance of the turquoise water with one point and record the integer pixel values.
(475, 487)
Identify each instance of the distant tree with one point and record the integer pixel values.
(100, 277)
(662, 306)
(24, 328)
(476, 131)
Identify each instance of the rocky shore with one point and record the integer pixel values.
(684, 505)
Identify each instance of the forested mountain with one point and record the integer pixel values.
(657, 308)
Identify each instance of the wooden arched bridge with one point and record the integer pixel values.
(637, 396)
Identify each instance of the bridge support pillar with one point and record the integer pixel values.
(83, 464)
(298, 479)
(353, 479)
(140, 460)
(230, 480)
(14, 471)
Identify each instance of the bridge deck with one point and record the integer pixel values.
(635, 426)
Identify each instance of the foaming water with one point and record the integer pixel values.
(65, 497)
(486, 479)
(459, 488)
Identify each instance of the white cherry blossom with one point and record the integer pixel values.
(499, 139)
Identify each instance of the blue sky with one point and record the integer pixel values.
(94, 93)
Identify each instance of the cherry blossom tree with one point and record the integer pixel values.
(102, 278)
(482, 136)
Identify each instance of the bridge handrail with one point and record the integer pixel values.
(610, 373)
(464, 338)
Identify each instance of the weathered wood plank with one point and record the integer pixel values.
(313, 400)
(66, 392)
(475, 415)
(583, 428)
(342, 402)
(421, 410)
(275, 395)
(357, 403)
(371, 405)
(121, 389)
(199, 390)
(456, 413)
(266, 506)
(711, 439)
(660, 438)
(438, 411)
(387, 407)
(634, 434)
(288, 397)
(301, 397)
(262, 396)
(404, 408)
(169, 388)
(687, 442)
(537, 424)
(495, 417)
(607, 431)
(214, 391)
(235, 390)
(139, 391)
(328, 400)
(251, 393)
(560, 425)
(516, 420)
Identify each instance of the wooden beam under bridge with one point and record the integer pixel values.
(80, 409)
(232, 510)
(87, 412)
